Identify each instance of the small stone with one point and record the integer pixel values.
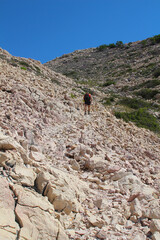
(98, 203)
(75, 165)
(101, 234)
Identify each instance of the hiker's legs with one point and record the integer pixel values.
(85, 108)
(88, 109)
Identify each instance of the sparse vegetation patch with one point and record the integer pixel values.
(108, 83)
(24, 64)
(133, 103)
(23, 68)
(141, 118)
(148, 84)
(108, 101)
(156, 73)
(54, 80)
(147, 93)
(111, 45)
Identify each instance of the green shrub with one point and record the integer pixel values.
(156, 73)
(108, 83)
(125, 88)
(37, 69)
(152, 83)
(71, 74)
(14, 64)
(73, 96)
(23, 68)
(147, 93)
(24, 64)
(144, 43)
(102, 47)
(108, 101)
(148, 84)
(133, 103)
(155, 39)
(141, 118)
(53, 80)
(119, 44)
(148, 69)
(111, 45)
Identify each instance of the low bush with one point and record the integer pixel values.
(102, 47)
(156, 73)
(23, 68)
(37, 69)
(155, 39)
(147, 93)
(148, 84)
(108, 83)
(53, 80)
(73, 95)
(111, 45)
(24, 64)
(141, 118)
(133, 103)
(71, 74)
(108, 101)
(144, 42)
(119, 44)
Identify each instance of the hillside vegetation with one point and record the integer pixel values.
(127, 75)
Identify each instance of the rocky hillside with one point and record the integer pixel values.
(64, 175)
(124, 64)
(128, 75)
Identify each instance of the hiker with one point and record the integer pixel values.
(87, 102)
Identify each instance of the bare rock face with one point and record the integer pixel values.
(26, 176)
(64, 191)
(155, 225)
(64, 175)
(36, 216)
(9, 228)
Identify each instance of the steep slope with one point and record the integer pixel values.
(125, 64)
(66, 175)
(124, 73)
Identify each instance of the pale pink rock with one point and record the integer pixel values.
(133, 196)
(155, 225)
(112, 169)
(101, 234)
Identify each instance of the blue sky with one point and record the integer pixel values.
(46, 29)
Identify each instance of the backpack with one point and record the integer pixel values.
(87, 97)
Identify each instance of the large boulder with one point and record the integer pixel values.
(155, 225)
(26, 176)
(64, 191)
(8, 143)
(3, 158)
(36, 216)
